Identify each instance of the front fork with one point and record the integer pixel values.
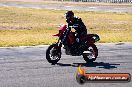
(62, 41)
(59, 43)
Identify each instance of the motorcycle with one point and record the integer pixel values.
(67, 39)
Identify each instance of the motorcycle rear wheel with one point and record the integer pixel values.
(53, 54)
(94, 54)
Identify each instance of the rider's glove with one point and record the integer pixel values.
(75, 26)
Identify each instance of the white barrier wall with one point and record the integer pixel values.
(107, 1)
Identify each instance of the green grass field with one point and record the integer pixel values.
(29, 27)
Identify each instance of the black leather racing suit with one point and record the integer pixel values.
(79, 27)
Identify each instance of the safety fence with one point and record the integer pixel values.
(107, 1)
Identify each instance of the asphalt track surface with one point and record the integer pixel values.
(60, 6)
(28, 67)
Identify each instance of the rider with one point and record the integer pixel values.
(77, 24)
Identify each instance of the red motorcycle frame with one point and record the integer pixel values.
(67, 38)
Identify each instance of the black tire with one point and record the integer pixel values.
(57, 50)
(95, 53)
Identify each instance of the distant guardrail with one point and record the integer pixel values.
(106, 1)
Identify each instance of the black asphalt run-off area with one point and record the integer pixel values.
(60, 6)
(28, 67)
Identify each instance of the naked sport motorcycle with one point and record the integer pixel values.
(67, 40)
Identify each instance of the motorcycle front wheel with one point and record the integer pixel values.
(93, 53)
(53, 54)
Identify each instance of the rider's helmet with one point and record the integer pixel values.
(69, 15)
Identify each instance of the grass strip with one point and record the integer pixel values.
(29, 27)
